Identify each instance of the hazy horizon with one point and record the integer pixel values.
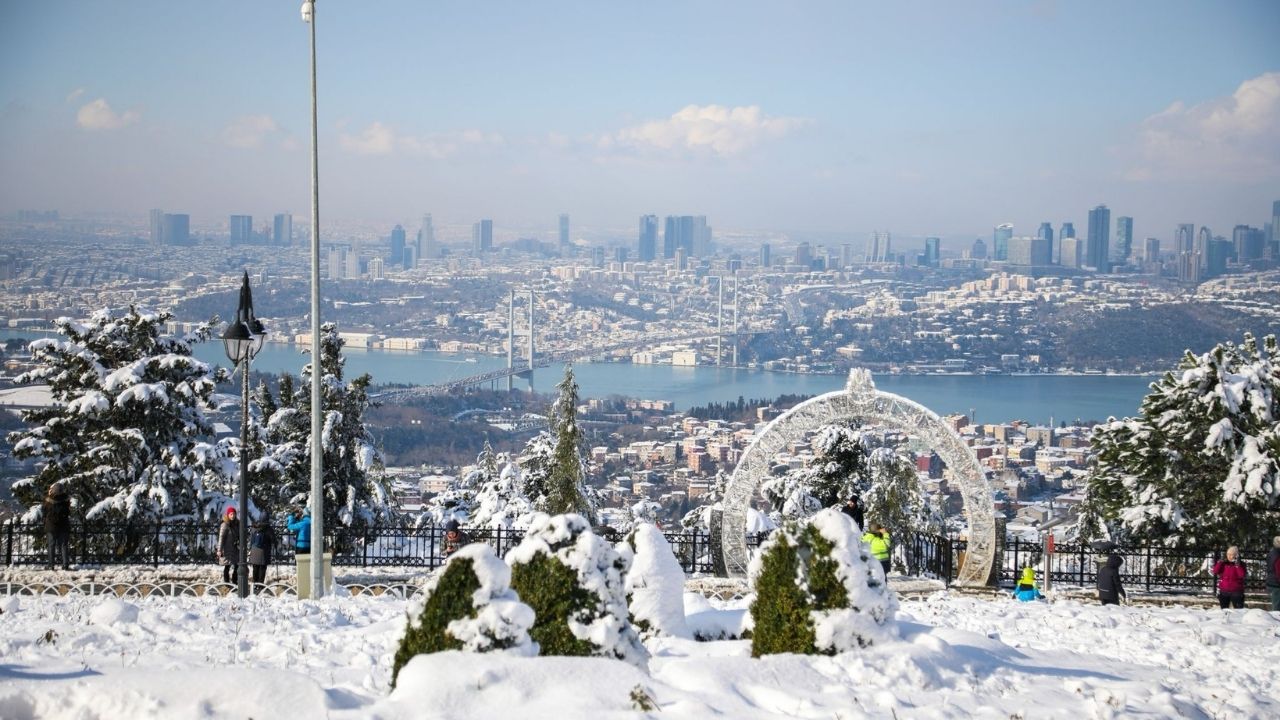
(803, 119)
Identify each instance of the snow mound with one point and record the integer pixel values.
(655, 585)
(114, 611)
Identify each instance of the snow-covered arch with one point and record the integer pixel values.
(862, 402)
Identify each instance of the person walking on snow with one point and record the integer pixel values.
(1109, 588)
(57, 523)
(1230, 572)
(878, 538)
(229, 546)
(260, 544)
(300, 525)
(1273, 573)
(1026, 590)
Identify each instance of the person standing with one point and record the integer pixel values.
(1231, 573)
(1026, 589)
(260, 544)
(300, 525)
(878, 538)
(1109, 588)
(454, 538)
(1273, 573)
(229, 546)
(57, 523)
(853, 508)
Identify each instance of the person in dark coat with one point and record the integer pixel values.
(1109, 588)
(229, 546)
(1273, 573)
(1230, 572)
(454, 538)
(261, 542)
(57, 523)
(853, 508)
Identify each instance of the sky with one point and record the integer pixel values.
(916, 117)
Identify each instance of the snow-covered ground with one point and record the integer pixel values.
(186, 657)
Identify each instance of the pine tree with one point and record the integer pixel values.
(1200, 465)
(566, 490)
(894, 498)
(839, 470)
(126, 433)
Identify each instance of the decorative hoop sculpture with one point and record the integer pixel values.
(861, 401)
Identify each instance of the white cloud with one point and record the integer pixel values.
(380, 139)
(249, 131)
(1233, 137)
(98, 115)
(711, 128)
(75, 94)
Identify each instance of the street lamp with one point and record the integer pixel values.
(317, 448)
(242, 340)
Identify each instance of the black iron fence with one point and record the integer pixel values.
(1146, 569)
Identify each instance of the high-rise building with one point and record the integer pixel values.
(1273, 238)
(879, 247)
(689, 232)
(241, 229)
(1215, 262)
(1124, 240)
(1248, 243)
(564, 230)
(176, 229)
(157, 227)
(766, 255)
(1098, 242)
(1067, 230)
(846, 255)
(376, 267)
(397, 245)
(1184, 238)
(1151, 250)
(352, 270)
(427, 246)
(482, 237)
(1029, 251)
(979, 250)
(1070, 252)
(620, 254)
(1046, 232)
(282, 230)
(336, 262)
(804, 256)
(670, 236)
(647, 247)
(1000, 241)
(932, 251)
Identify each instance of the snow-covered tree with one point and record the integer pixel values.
(894, 497)
(818, 590)
(839, 470)
(500, 503)
(355, 492)
(457, 501)
(566, 490)
(1200, 465)
(655, 585)
(467, 605)
(127, 434)
(575, 582)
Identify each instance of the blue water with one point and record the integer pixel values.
(993, 398)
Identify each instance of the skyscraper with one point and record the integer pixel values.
(804, 256)
(157, 227)
(1273, 242)
(1099, 240)
(932, 251)
(482, 237)
(427, 247)
(766, 255)
(647, 246)
(1248, 243)
(564, 230)
(1070, 252)
(687, 232)
(397, 245)
(879, 247)
(1200, 249)
(282, 230)
(1000, 241)
(1046, 232)
(1184, 238)
(241, 229)
(670, 236)
(1124, 239)
(1028, 251)
(176, 229)
(1151, 251)
(978, 251)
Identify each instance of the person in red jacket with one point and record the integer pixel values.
(1230, 572)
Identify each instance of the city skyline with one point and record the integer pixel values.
(593, 114)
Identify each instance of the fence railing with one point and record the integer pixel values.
(1146, 568)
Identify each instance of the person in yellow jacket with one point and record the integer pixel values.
(1026, 590)
(878, 538)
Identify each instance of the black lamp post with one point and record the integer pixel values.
(243, 339)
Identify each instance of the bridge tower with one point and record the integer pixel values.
(719, 320)
(735, 318)
(511, 340)
(531, 340)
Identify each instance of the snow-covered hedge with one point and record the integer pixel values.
(467, 605)
(575, 582)
(655, 585)
(818, 590)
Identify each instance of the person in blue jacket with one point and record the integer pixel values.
(300, 524)
(1026, 590)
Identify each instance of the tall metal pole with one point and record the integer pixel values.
(317, 449)
(242, 571)
(719, 319)
(735, 318)
(511, 339)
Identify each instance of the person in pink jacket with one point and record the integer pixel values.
(1230, 572)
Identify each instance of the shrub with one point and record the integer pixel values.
(573, 580)
(467, 605)
(818, 590)
(655, 585)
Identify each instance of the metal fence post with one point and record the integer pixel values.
(431, 553)
(155, 547)
(8, 550)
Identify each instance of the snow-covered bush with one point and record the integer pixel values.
(575, 582)
(838, 471)
(467, 605)
(1200, 466)
(818, 591)
(655, 585)
(499, 503)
